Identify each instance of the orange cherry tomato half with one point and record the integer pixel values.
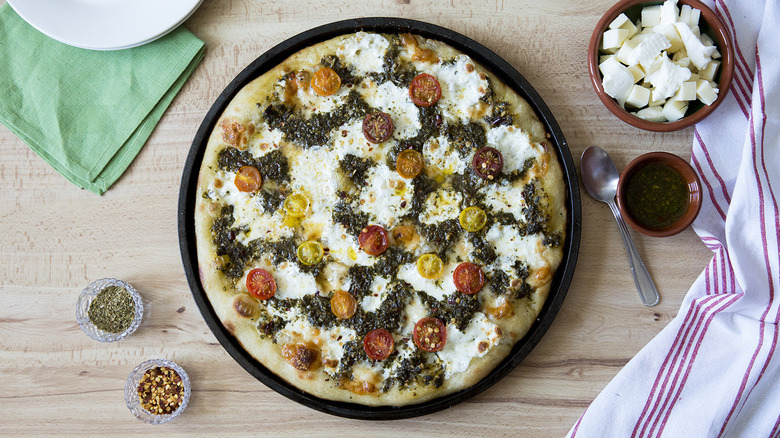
(248, 179)
(378, 344)
(260, 284)
(373, 240)
(326, 81)
(468, 278)
(430, 334)
(487, 163)
(343, 304)
(377, 127)
(409, 163)
(425, 90)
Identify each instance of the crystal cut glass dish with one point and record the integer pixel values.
(131, 391)
(88, 295)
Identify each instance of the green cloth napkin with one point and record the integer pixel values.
(88, 113)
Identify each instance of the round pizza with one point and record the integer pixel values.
(379, 219)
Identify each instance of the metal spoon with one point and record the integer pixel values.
(600, 177)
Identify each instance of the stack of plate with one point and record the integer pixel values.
(105, 24)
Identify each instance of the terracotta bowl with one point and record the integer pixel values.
(709, 23)
(689, 177)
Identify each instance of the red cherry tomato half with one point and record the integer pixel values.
(378, 344)
(373, 240)
(468, 278)
(248, 179)
(430, 334)
(377, 127)
(260, 284)
(425, 90)
(487, 163)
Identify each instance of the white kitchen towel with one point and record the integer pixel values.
(714, 371)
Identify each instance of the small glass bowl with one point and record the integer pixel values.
(131, 391)
(85, 299)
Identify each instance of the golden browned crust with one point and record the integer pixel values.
(298, 363)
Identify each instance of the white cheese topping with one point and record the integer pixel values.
(291, 282)
(438, 288)
(438, 153)
(376, 295)
(394, 101)
(512, 246)
(504, 198)
(462, 346)
(365, 51)
(461, 87)
(264, 141)
(441, 205)
(387, 197)
(349, 139)
(248, 213)
(514, 144)
(330, 341)
(415, 310)
(343, 247)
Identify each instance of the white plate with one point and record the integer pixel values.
(105, 24)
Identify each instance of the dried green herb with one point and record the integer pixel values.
(112, 310)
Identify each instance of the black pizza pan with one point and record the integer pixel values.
(276, 55)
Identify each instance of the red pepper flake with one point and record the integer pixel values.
(160, 390)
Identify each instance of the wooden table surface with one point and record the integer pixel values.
(57, 238)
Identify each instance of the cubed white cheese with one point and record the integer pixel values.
(687, 91)
(655, 98)
(610, 63)
(670, 32)
(625, 50)
(638, 97)
(700, 54)
(638, 73)
(668, 78)
(652, 113)
(619, 21)
(675, 110)
(680, 54)
(706, 94)
(613, 39)
(709, 71)
(683, 62)
(685, 14)
(603, 58)
(651, 16)
(706, 40)
(694, 77)
(623, 22)
(668, 13)
(693, 20)
(618, 82)
(648, 50)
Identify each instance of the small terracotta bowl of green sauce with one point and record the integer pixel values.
(659, 194)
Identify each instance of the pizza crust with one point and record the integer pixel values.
(222, 291)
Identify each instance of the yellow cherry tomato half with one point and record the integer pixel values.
(473, 219)
(430, 266)
(409, 163)
(343, 304)
(248, 179)
(296, 204)
(310, 252)
(326, 81)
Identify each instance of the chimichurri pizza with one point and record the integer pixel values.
(379, 219)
